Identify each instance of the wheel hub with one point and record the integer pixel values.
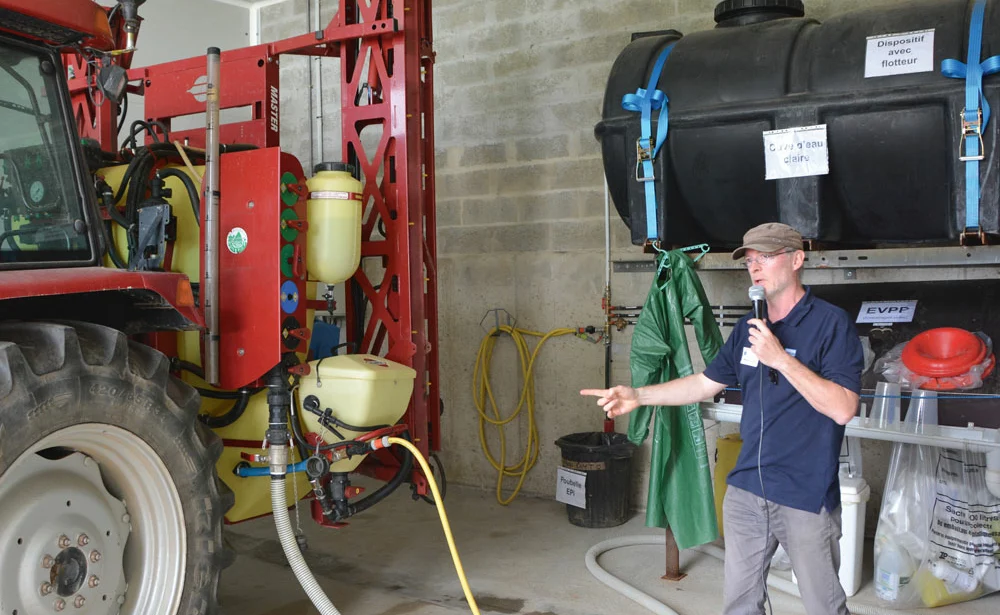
(62, 538)
(69, 571)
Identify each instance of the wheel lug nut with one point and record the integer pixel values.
(46, 589)
(94, 581)
(83, 540)
(47, 561)
(78, 603)
(64, 541)
(95, 556)
(60, 604)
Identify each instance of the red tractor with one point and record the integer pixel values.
(158, 293)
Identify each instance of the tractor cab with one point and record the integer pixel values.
(45, 208)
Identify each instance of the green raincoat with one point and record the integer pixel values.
(680, 484)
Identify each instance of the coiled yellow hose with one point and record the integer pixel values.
(483, 391)
(444, 519)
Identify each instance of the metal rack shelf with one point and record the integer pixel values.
(953, 256)
(977, 439)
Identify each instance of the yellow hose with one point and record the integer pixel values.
(444, 519)
(482, 391)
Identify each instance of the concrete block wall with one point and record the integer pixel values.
(285, 20)
(520, 85)
(520, 205)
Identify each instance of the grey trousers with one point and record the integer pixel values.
(811, 540)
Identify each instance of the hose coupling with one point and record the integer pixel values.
(279, 459)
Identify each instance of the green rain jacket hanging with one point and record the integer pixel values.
(680, 484)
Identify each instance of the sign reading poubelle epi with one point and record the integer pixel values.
(571, 487)
(900, 54)
(876, 312)
(796, 152)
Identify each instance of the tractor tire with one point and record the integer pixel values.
(109, 497)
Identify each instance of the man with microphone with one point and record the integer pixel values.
(798, 361)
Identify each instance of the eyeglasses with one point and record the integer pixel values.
(763, 259)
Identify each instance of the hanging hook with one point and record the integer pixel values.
(702, 247)
(662, 266)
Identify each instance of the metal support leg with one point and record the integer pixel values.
(673, 572)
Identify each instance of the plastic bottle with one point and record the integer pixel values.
(955, 581)
(893, 571)
(334, 213)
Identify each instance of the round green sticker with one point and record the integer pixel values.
(237, 240)
(287, 254)
(288, 232)
(288, 197)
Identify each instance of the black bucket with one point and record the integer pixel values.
(606, 459)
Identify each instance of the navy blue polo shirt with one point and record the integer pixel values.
(799, 458)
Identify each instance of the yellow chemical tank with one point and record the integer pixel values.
(334, 215)
(253, 494)
(727, 451)
(186, 257)
(360, 390)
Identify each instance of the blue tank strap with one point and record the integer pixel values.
(975, 115)
(645, 101)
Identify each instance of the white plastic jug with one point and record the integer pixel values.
(893, 571)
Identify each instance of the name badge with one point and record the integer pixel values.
(749, 358)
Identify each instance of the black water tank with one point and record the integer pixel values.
(894, 169)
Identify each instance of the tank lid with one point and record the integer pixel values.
(744, 12)
(333, 166)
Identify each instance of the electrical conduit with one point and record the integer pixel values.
(654, 605)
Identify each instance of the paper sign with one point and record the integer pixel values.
(900, 54)
(571, 487)
(796, 152)
(887, 311)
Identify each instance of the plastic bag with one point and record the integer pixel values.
(891, 367)
(938, 529)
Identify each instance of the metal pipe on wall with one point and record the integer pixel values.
(607, 286)
(316, 79)
(210, 294)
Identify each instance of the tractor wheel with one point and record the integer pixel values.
(109, 498)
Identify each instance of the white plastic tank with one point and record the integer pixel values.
(334, 211)
(358, 390)
(854, 494)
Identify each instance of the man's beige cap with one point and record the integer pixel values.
(769, 237)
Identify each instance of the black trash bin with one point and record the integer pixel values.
(606, 459)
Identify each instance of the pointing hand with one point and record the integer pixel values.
(615, 401)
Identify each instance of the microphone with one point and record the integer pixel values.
(759, 301)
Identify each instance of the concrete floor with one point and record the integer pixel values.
(525, 558)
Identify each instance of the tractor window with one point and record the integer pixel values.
(40, 205)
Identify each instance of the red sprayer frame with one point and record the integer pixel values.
(393, 90)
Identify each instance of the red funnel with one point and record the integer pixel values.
(943, 353)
